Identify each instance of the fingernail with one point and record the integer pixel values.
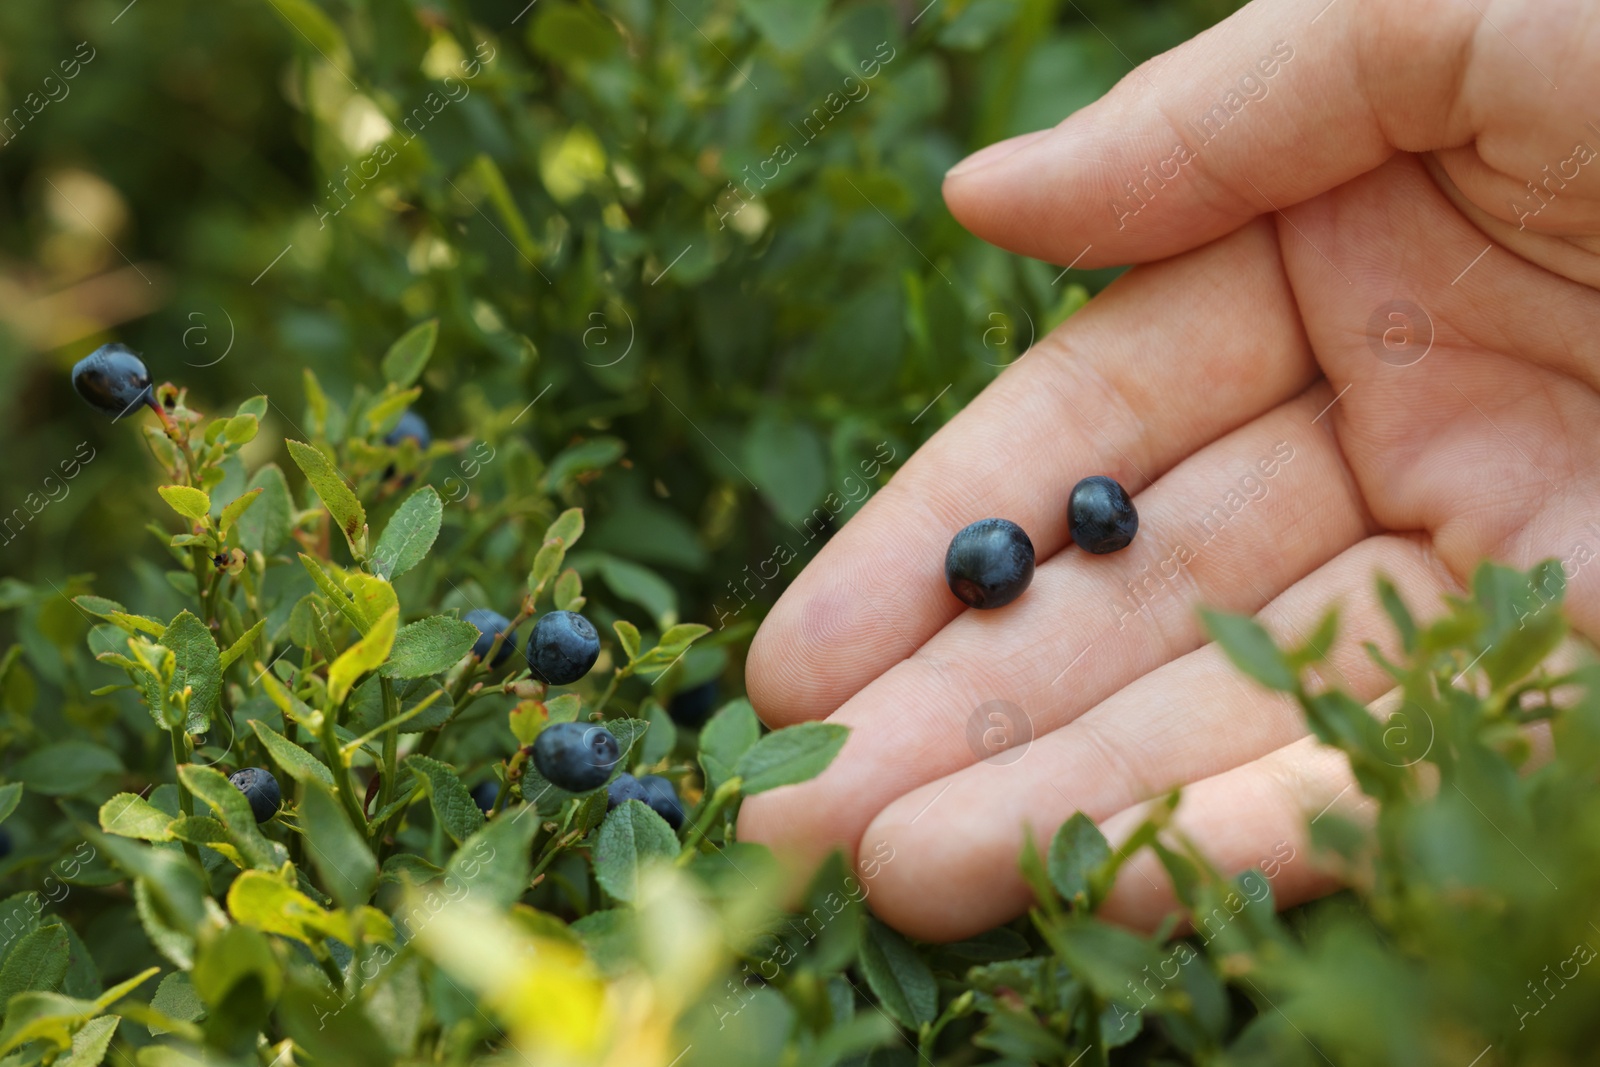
(994, 153)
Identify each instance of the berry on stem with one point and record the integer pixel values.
(412, 426)
(260, 788)
(490, 624)
(623, 788)
(114, 380)
(576, 756)
(663, 799)
(989, 563)
(563, 647)
(1101, 516)
(692, 707)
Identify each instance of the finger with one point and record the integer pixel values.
(1088, 626)
(1284, 100)
(1191, 719)
(1112, 391)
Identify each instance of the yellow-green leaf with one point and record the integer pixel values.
(331, 487)
(187, 501)
(241, 646)
(231, 513)
(128, 815)
(365, 655)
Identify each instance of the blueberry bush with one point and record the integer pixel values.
(460, 315)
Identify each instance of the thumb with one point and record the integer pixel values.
(1284, 100)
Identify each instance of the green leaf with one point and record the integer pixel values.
(454, 807)
(241, 646)
(494, 183)
(113, 612)
(65, 768)
(199, 667)
(265, 527)
(230, 806)
(899, 976)
(238, 977)
(429, 646)
(725, 739)
(495, 863)
(231, 513)
(314, 27)
(628, 634)
(1398, 613)
(241, 429)
(261, 900)
(365, 655)
(189, 502)
(641, 586)
(1076, 851)
(560, 536)
(128, 815)
(793, 754)
(1519, 652)
(1251, 649)
(10, 797)
(409, 534)
(788, 24)
(387, 409)
(631, 838)
(568, 593)
(37, 962)
(176, 999)
(300, 765)
(1110, 960)
(370, 599)
(330, 486)
(90, 1043)
(406, 358)
(591, 455)
(662, 737)
(340, 853)
(787, 461)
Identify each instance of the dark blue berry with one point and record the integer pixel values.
(411, 425)
(989, 563)
(490, 623)
(260, 788)
(576, 756)
(113, 380)
(484, 795)
(563, 647)
(693, 707)
(1100, 515)
(663, 799)
(623, 788)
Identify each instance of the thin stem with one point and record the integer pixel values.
(180, 756)
(697, 829)
(391, 743)
(341, 774)
(611, 687)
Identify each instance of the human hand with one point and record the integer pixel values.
(1394, 372)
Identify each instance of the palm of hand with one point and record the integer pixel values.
(1363, 382)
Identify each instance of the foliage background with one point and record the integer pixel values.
(199, 142)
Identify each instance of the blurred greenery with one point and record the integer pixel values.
(694, 230)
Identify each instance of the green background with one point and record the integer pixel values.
(146, 199)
